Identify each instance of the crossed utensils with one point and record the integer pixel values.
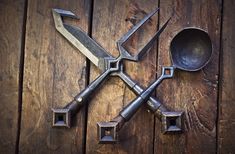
(191, 50)
(111, 66)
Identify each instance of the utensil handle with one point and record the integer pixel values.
(84, 95)
(131, 108)
(153, 103)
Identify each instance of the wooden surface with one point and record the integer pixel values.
(226, 124)
(11, 31)
(194, 93)
(54, 72)
(111, 20)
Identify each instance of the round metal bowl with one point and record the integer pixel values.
(191, 49)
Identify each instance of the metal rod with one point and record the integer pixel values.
(125, 115)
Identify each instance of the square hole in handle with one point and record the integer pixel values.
(61, 118)
(167, 72)
(172, 122)
(113, 64)
(106, 132)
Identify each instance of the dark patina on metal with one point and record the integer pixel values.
(104, 61)
(191, 50)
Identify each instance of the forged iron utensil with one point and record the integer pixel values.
(191, 50)
(104, 61)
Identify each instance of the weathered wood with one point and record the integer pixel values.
(111, 20)
(226, 122)
(194, 93)
(11, 31)
(54, 72)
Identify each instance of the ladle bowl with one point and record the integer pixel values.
(191, 49)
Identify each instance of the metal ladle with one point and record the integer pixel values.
(191, 50)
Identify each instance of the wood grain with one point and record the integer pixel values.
(194, 93)
(111, 19)
(54, 73)
(11, 31)
(226, 122)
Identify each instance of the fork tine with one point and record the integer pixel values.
(146, 48)
(125, 37)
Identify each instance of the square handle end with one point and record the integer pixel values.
(172, 122)
(107, 132)
(61, 118)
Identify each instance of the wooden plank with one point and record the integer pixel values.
(54, 72)
(111, 20)
(193, 93)
(226, 122)
(11, 31)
